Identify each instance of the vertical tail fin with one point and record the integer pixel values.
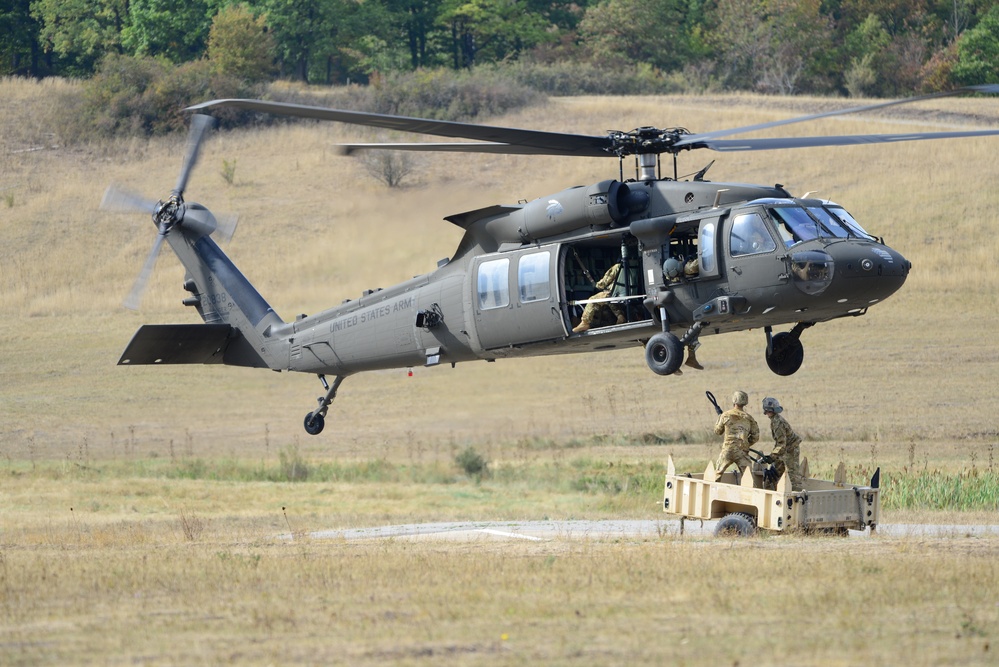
(224, 297)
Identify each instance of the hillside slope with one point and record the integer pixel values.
(316, 229)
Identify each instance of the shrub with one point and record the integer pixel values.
(141, 96)
(390, 167)
(114, 99)
(472, 463)
(446, 95)
(566, 78)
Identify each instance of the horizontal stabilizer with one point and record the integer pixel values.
(177, 344)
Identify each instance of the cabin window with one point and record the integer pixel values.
(749, 235)
(709, 263)
(532, 277)
(494, 284)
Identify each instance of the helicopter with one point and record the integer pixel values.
(676, 260)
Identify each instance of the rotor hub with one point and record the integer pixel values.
(647, 141)
(169, 213)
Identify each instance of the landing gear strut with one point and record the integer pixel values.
(785, 351)
(315, 421)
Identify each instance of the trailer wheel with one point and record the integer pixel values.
(736, 524)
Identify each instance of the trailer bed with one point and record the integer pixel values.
(746, 505)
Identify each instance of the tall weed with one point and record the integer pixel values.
(934, 490)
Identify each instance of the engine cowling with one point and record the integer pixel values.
(605, 203)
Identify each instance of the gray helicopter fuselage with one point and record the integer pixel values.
(520, 291)
(523, 276)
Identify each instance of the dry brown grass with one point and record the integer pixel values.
(140, 591)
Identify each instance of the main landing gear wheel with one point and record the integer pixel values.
(664, 353)
(786, 354)
(314, 425)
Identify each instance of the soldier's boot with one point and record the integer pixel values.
(581, 327)
(692, 359)
(621, 319)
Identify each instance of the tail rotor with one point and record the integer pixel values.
(167, 213)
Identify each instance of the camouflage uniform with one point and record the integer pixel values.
(741, 432)
(604, 288)
(786, 450)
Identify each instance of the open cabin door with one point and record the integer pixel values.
(515, 298)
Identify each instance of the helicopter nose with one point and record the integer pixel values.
(869, 272)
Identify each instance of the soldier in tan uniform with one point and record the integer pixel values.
(604, 288)
(741, 432)
(786, 444)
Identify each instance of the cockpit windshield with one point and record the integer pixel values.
(797, 224)
(850, 223)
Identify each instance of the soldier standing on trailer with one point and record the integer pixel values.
(741, 433)
(786, 444)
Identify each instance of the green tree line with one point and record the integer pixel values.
(856, 47)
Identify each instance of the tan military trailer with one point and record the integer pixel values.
(746, 505)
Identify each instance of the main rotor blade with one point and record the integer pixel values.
(135, 296)
(462, 147)
(199, 124)
(555, 143)
(732, 145)
(119, 200)
(699, 138)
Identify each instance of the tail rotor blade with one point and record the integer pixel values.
(135, 296)
(226, 228)
(119, 200)
(200, 123)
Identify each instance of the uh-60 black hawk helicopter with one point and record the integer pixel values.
(684, 259)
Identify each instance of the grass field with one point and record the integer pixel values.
(140, 507)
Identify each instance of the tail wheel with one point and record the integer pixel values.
(664, 353)
(314, 425)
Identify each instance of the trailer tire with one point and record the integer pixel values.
(736, 524)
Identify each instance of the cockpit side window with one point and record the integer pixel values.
(749, 235)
